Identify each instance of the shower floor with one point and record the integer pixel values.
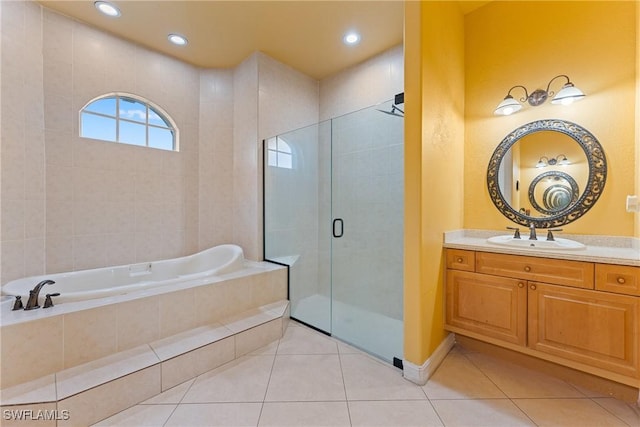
(372, 332)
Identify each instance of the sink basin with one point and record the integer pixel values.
(557, 244)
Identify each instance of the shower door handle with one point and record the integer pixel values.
(335, 222)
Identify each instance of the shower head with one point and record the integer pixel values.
(393, 111)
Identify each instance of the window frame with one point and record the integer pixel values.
(149, 107)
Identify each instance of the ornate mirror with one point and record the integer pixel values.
(548, 172)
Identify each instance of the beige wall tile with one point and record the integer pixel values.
(182, 368)
(89, 335)
(101, 402)
(176, 312)
(21, 359)
(257, 337)
(209, 305)
(59, 254)
(138, 322)
(12, 260)
(268, 287)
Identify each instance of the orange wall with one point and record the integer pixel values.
(457, 69)
(637, 233)
(434, 145)
(528, 43)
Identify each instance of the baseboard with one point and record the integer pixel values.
(421, 374)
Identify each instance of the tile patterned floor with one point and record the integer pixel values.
(309, 379)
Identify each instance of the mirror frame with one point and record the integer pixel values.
(575, 193)
(595, 181)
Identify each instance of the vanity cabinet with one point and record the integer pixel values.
(580, 314)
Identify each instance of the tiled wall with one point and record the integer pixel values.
(72, 203)
(215, 156)
(270, 98)
(245, 157)
(22, 231)
(374, 81)
(105, 202)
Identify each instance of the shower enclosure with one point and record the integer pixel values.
(333, 211)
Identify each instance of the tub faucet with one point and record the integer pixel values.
(532, 232)
(32, 303)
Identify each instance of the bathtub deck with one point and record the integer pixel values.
(100, 388)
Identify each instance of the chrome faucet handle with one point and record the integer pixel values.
(516, 234)
(48, 302)
(18, 304)
(550, 234)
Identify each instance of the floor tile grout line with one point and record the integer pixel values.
(501, 390)
(273, 364)
(593, 399)
(344, 386)
(435, 411)
(485, 374)
(193, 381)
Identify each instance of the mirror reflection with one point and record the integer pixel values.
(542, 173)
(552, 192)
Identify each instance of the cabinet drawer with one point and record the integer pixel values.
(620, 279)
(577, 274)
(459, 259)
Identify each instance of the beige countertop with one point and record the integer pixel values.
(602, 249)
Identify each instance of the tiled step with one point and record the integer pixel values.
(90, 392)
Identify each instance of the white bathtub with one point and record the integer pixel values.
(108, 281)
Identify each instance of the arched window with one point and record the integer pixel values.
(279, 153)
(128, 119)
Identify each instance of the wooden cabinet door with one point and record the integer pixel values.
(594, 328)
(493, 306)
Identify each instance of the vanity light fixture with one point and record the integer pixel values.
(565, 96)
(107, 8)
(560, 159)
(177, 39)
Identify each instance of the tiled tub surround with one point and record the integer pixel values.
(97, 357)
(602, 249)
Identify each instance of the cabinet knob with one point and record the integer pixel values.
(621, 280)
(521, 285)
(532, 287)
(527, 269)
(459, 260)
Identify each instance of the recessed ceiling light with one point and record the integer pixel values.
(107, 8)
(351, 38)
(178, 39)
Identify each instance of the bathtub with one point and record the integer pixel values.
(108, 281)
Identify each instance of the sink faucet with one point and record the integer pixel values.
(532, 232)
(32, 303)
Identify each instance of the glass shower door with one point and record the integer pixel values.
(297, 203)
(367, 189)
(333, 212)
